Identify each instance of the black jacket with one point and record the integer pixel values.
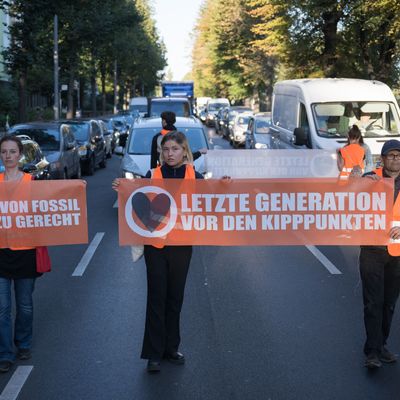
(174, 173)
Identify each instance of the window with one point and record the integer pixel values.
(285, 112)
(47, 138)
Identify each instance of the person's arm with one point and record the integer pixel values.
(154, 152)
(340, 161)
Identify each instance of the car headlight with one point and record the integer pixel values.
(211, 116)
(261, 146)
(82, 150)
(54, 166)
(207, 175)
(131, 175)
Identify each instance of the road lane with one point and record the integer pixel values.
(257, 322)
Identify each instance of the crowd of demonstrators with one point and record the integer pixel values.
(380, 270)
(355, 155)
(18, 267)
(168, 119)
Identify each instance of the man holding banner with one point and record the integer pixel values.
(380, 270)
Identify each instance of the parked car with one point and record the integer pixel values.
(121, 125)
(57, 143)
(136, 160)
(258, 135)
(111, 133)
(237, 130)
(92, 148)
(33, 160)
(181, 106)
(108, 138)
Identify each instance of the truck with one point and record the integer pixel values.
(178, 89)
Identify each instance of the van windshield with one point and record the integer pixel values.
(375, 119)
(216, 106)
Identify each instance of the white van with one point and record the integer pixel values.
(138, 104)
(212, 108)
(317, 113)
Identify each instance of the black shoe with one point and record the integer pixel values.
(5, 366)
(175, 358)
(153, 366)
(24, 354)
(386, 356)
(372, 361)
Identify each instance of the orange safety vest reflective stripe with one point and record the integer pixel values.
(353, 155)
(164, 131)
(25, 178)
(157, 174)
(393, 248)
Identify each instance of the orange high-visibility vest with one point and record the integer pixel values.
(353, 155)
(157, 174)
(393, 248)
(164, 131)
(25, 178)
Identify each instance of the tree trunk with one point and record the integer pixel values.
(329, 30)
(22, 96)
(103, 88)
(93, 89)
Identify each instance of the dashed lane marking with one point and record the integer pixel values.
(80, 269)
(323, 260)
(14, 386)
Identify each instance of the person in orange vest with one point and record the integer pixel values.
(167, 266)
(18, 267)
(168, 119)
(380, 271)
(352, 155)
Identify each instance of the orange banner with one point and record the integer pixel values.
(42, 213)
(255, 212)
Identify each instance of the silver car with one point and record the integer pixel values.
(137, 153)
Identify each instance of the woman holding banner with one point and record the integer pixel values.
(18, 267)
(167, 266)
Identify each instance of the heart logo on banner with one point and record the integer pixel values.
(151, 212)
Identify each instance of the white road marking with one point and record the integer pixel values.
(115, 204)
(80, 269)
(323, 260)
(14, 386)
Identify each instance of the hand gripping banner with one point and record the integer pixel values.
(255, 212)
(42, 213)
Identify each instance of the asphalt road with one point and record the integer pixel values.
(257, 323)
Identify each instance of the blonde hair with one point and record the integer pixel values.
(181, 139)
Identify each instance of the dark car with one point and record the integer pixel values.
(109, 137)
(221, 120)
(58, 145)
(181, 106)
(230, 119)
(92, 147)
(32, 161)
(258, 135)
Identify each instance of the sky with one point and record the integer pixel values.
(175, 21)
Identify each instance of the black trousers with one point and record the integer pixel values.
(167, 270)
(380, 276)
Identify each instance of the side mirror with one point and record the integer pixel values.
(301, 137)
(119, 151)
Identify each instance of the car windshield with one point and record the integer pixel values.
(142, 108)
(243, 120)
(216, 106)
(47, 138)
(375, 119)
(262, 125)
(80, 131)
(141, 138)
(181, 109)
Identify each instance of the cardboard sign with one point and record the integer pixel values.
(42, 213)
(255, 212)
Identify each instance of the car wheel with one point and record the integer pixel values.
(103, 163)
(91, 167)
